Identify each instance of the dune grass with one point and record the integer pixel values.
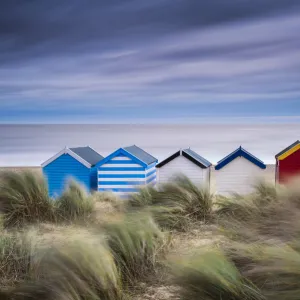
(24, 199)
(75, 204)
(209, 274)
(82, 269)
(17, 253)
(258, 257)
(174, 205)
(136, 243)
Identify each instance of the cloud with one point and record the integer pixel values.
(111, 56)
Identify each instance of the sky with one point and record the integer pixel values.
(158, 61)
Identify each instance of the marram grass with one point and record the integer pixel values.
(24, 199)
(75, 203)
(176, 204)
(136, 243)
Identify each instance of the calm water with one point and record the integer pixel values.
(30, 145)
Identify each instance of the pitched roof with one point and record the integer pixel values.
(239, 152)
(190, 155)
(140, 154)
(88, 154)
(287, 148)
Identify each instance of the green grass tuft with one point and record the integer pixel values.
(174, 205)
(136, 243)
(75, 204)
(211, 275)
(79, 270)
(24, 199)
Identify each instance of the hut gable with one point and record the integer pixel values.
(76, 163)
(288, 162)
(237, 172)
(240, 152)
(186, 162)
(125, 170)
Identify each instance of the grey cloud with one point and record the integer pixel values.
(28, 28)
(139, 54)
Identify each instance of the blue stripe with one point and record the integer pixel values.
(118, 190)
(122, 169)
(121, 176)
(121, 152)
(151, 179)
(116, 162)
(151, 166)
(121, 182)
(151, 173)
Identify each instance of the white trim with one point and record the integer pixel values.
(108, 165)
(150, 170)
(121, 158)
(121, 179)
(114, 186)
(66, 151)
(151, 177)
(120, 172)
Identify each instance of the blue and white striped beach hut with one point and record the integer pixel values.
(78, 163)
(125, 170)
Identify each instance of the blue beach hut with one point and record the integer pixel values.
(125, 170)
(78, 163)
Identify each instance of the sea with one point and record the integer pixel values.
(31, 145)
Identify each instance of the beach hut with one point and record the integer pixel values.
(237, 172)
(125, 170)
(78, 163)
(186, 162)
(288, 163)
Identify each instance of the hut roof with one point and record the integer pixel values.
(86, 155)
(240, 152)
(140, 154)
(135, 153)
(288, 150)
(190, 155)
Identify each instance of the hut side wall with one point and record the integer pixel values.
(289, 167)
(238, 176)
(63, 168)
(184, 166)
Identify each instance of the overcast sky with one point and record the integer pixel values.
(132, 61)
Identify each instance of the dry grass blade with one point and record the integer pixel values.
(75, 204)
(82, 270)
(17, 254)
(136, 243)
(24, 198)
(210, 275)
(175, 204)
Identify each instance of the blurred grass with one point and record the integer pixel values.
(17, 252)
(174, 205)
(136, 243)
(209, 274)
(24, 199)
(75, 204)
(257, 258)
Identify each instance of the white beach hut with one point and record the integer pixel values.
(186, 162)
(237, 172)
